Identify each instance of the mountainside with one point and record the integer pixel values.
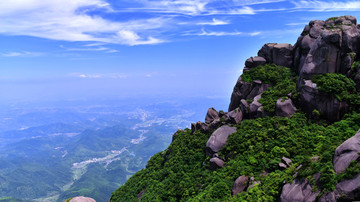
(291, 133)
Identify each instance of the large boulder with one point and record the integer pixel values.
(329, 106)
(235, 116)
(282, 55)
(211, 115)
(255, 61)
(218, 139)
(348, 151)
(348, 190)
(284, 108)
(240, 184)
(267, 52)
(298, 191)
(82, 199)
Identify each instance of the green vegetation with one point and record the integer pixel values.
(282, 79)
(181, 173)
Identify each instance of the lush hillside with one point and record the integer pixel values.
(291, 133)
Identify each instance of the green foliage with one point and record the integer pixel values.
(335, 84)
(181, 172)
(268, 73)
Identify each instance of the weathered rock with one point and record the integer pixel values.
(267, 52)
(316, 27)
(245, 107)
(284, 108)
(235, 116)
(218, 139)
(287, 161)
(347, 152)
(299, 190)
(203, 127)
(256, 109)
(328, 197)
(348, 190)
(240, 185)
(245, 90)
(329, 106)
(255, 61)
(282, 166)
(282, 55)
(82, 199)
(211, 115)
(216, 163)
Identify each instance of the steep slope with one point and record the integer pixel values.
(291, 133)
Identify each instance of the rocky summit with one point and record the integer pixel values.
(291, 132)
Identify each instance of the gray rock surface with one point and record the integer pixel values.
(287, 161)
(255, 61)
(218, 139)
(211, 115)
(299, 190)
(216, 163)
(240, 184)
(267, 52)
(203, 127)
(82, 199)
(282, 55)
(235, 116)
(255, 109)
(347, 152)
(348, 190)
(284, 108)
(329, 106)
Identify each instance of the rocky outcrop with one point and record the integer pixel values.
(328, 105)
(256, 109)
(245, 90)
(240, 184)
(254, 62)
(235, 116)
(284, 108)
(279, 54)
(348, 190)
(211, 115)
(218, 139)
(82, 199)
(324, 46)
(348, 151)
(299, 190)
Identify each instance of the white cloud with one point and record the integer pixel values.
(21, 54)
(214, 22)
(71, 21)
(100, 76)
(214, 33)
(326, 6)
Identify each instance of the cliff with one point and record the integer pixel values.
(291, 132)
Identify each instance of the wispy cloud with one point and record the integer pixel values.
(214, 22)
(326, 6)
(99, 76)
(21, 54)
(92, 47)
(216, 33)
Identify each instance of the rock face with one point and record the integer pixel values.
(279, 54)
(245, 90)
(324, 45)
(216, 163)
(348, 190)
(299, 190)
(284, 108)
(218, 139)
(348, 151)
(82, 199)
(235, 116)
(211, 115)
(240, 185)
(328, 106)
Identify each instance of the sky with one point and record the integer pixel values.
(87, 49)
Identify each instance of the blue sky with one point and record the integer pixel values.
(75, 49)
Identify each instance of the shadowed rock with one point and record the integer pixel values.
(211, 115)
(284, 108)
(235, 116)
(299, 190)
(216, 163)
(240, 185)
(218, 139)
(255, 61)
(347, 152)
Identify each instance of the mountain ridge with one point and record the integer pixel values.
(291, 133)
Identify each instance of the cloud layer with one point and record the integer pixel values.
(140, 22)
